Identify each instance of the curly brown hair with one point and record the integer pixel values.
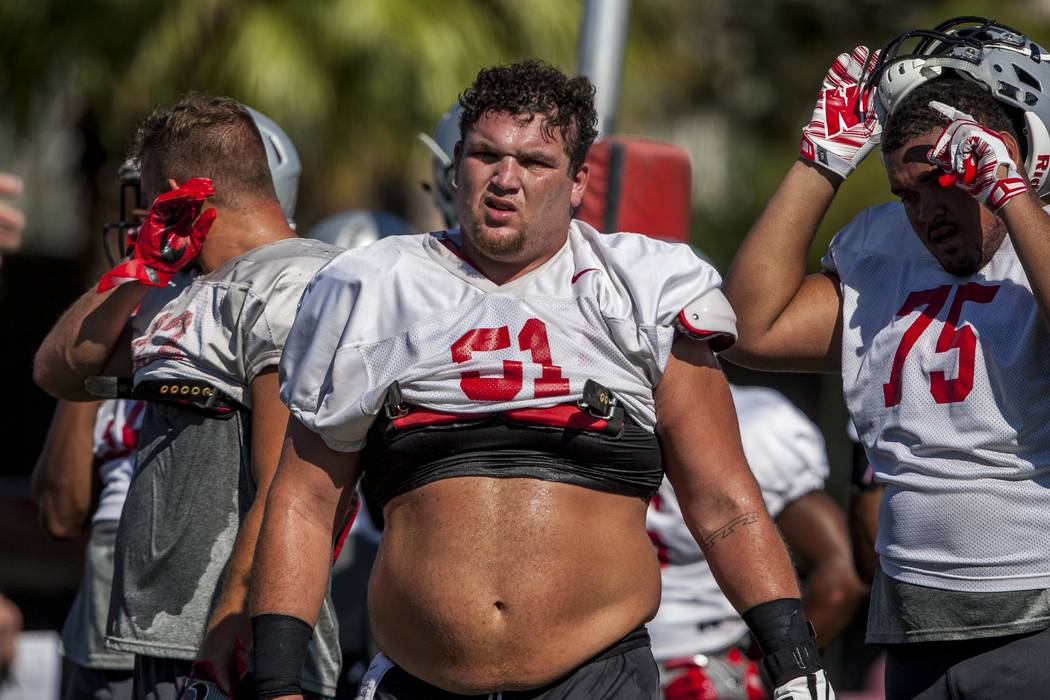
(534, 87)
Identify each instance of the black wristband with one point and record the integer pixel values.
(786, 639)
(279, 644)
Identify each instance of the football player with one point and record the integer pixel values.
(934, 309)
(502, 387)
(89, 445)
(205, 358)
(700, 642)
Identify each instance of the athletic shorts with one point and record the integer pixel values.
(625, 671)
(157, 678)
(98, 684)
(1012, 668)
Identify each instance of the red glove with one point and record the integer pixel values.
(168, 239)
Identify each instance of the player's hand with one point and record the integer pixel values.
(169, 239)
(843, 129)
(223, 659)
(10, 626)
(12, 221)
(814, 686)
(975, 159)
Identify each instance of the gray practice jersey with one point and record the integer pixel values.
(193, 483)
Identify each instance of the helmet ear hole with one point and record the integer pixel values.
(1026, 78)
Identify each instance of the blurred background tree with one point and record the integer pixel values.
(353, 81)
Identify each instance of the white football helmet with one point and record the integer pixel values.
(285, 166)
(442, 144)
(1013, 68)
(355, 228)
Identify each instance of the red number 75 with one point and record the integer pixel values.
(952, 336)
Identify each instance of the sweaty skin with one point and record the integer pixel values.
(509, 583)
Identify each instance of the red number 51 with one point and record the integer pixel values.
(944, 390)
(533, 337)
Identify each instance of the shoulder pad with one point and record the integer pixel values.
(710, 318)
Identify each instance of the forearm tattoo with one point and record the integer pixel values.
(729, 528)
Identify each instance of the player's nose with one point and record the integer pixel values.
(507, 175)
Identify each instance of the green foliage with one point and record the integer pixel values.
(353, 81)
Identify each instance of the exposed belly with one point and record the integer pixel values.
(501, 584)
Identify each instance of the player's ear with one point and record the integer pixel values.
(579, 184)
(1013, 148)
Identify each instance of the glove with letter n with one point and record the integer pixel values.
(169, 239)
(975, 159)
(844, 127)
(790, 658)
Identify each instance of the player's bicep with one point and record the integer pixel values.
(806, 336)
(269, 418)
(119, 363)
(700, 438)
(312, 479)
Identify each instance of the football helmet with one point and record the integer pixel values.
(355, 228)
(118, 237)
(442, 145)
(1013, 68)
(285, 166)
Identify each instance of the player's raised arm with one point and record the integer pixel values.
(90, 334)
(786, 319)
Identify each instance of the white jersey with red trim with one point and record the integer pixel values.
(116, 436)
(411, 309)
(226, 326)
(786, 453)
(947, 380)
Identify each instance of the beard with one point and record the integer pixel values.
(962, 265)
(494, 246)
(971, 261)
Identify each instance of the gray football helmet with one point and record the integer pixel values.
(442, 145)
(355, 228)
(285, 166)
(1012, 67)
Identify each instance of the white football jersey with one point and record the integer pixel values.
(411, 309)
(228, 325)
(116, 436)
(947, 380)
(786, 453)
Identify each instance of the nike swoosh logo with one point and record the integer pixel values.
(581, 272)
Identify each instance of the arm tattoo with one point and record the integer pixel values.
(729, 528)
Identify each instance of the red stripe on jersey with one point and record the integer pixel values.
(424, 416)
(565, 415)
